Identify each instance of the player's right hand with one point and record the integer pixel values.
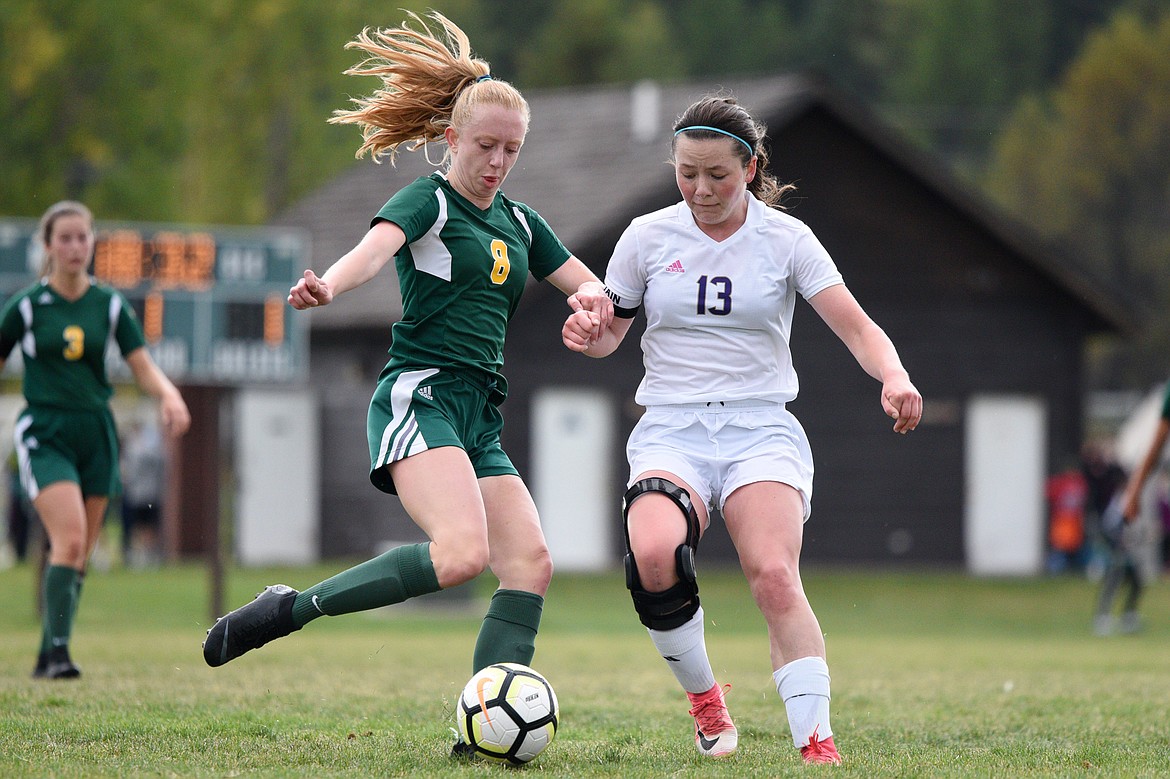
(581, 330)
(309, 292)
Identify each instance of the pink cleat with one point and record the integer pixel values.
(715, 733)
(820, 752)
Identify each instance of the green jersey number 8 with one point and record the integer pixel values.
(501, 266)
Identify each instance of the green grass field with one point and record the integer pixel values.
(934, 674)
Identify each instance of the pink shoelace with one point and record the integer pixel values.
(710, 712)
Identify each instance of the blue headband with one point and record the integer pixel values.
(751, 151)
(485, 77)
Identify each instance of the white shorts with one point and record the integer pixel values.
(719, 447)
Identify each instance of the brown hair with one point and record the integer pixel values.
(725, 114)
(50, 217)
(428, 84)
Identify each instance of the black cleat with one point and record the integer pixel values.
(461, 750)
(55, 664)
(251, 626)
(41, 666)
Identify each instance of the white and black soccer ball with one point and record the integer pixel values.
(508, 713)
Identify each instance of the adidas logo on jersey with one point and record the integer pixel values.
(425, 392)
(676, 267)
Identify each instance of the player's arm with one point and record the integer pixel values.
(1132, 497)
(9, 336)
(150, 379)
(592, 307)
(580, 334)
(874, 352)
(356, 267)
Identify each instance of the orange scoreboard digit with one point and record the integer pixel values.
(211, 299)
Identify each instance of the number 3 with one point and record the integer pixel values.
(74, 342)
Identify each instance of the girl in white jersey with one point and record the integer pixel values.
(718, 276)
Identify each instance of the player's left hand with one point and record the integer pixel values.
(310, 291)
(902, 402)
(590, 297)
(173, 415)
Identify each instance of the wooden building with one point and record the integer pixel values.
(991, 324)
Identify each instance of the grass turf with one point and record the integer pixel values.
(934, 674)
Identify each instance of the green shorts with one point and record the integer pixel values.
(54, 444)
(416, 410)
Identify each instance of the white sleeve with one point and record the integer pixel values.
(812, 267)
(625, 278)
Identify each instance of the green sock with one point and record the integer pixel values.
(77, 594)
(508, 632)
(60, 605)
(403, 572)
(46, 638)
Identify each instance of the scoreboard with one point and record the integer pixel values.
(212, 301)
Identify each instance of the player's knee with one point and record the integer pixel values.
(670, 607)
(459, 563)
(68, 549)
(540, 571)
(523, 568)
(461, 570)
(776, 585)
(655, 562)
(665, 591)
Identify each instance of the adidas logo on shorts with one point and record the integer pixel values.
(425, 392)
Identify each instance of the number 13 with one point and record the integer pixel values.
(720, 290)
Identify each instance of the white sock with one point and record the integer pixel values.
(685, 651)
(804, 686)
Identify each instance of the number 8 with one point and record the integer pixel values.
(502, 266)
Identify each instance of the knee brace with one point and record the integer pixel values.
(675, 606)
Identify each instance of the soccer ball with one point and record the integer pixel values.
(508, 713)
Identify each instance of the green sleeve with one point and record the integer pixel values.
(129, 331)
(547, 252)
(414, 208)
(11, 326)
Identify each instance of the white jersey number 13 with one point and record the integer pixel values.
(718, 288)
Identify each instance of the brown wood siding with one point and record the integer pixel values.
(972, 307)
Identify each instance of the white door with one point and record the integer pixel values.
(1006, 465)
(572, 450)
(277, 465)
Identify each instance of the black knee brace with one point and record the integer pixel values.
(676, 605)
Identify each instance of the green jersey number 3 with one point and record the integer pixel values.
(74, 343)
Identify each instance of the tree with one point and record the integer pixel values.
(190, 110)
(1088, 165)
(953, 68)
(721, 37)
(83, 101)
(215, 110)
(591, 41)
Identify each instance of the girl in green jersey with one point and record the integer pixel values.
(66, 444)
(463, 251)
